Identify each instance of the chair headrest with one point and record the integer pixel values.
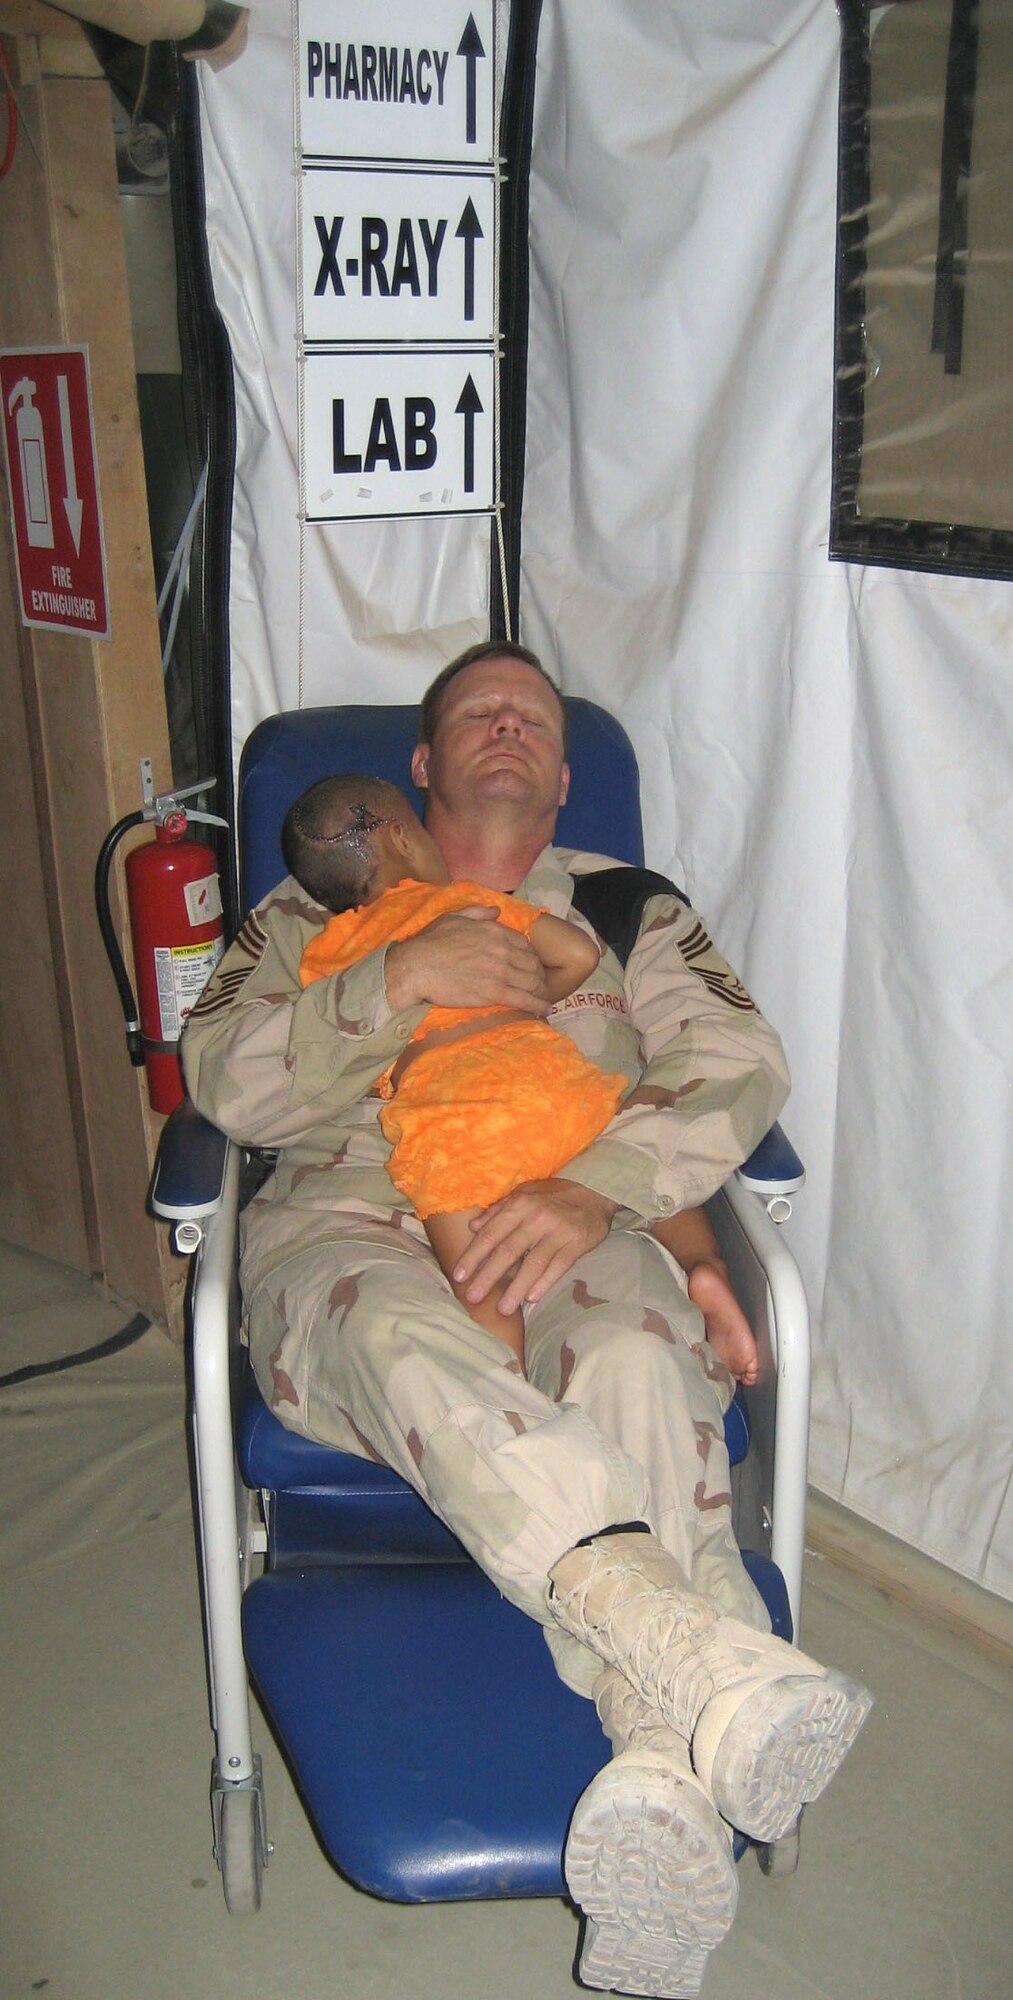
(287, 752)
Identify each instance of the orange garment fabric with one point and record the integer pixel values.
(401, 913)
(471, 1120)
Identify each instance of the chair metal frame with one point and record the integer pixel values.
(769, 1510)
(197, 1189)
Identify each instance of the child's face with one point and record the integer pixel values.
(423, 858)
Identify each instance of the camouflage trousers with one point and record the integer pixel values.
(359, 1342)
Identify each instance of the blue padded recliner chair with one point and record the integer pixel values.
(330, 1582)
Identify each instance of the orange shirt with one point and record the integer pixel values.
(470, 1120)
(401, 913)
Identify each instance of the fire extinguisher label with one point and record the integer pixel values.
(181, 972)
(203, 900)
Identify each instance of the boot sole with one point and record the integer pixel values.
(616, 1961)
(649, 1864)
(763, 1757)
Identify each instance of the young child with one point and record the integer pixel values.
(482, 1098)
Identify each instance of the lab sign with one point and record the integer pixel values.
(51, 472)
(396, 80)
(403, 432)
(390, 255)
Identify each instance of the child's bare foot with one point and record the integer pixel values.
(726, 1325)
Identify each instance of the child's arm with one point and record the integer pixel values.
(567, 953)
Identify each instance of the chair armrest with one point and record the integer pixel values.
(769, 1284)
(189, 1176)
(773, 1167)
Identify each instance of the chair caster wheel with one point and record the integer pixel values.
(241, 1846)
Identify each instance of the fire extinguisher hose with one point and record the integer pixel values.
(109, 937)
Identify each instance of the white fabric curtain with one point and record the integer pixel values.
(826, 753)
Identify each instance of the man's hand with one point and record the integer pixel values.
(536, 1233)
(468, 959)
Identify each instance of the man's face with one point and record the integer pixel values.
(499, 738)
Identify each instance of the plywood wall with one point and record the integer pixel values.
(76, 1137)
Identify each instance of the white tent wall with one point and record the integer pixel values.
(826, 752)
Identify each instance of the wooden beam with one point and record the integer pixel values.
(908, 1577)
(62, 57)
(138, 21)
(92, 708)
(33, 17)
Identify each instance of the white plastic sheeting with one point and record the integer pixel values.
(826, 753)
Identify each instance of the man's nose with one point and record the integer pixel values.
(508, 722)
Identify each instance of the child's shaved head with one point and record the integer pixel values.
(327, 842)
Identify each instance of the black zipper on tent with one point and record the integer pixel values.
(211, 423)
(954, 179)
(515, 148)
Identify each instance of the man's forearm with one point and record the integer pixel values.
(652, 1165)
(713, 1083)
(274, 1071)
(268, 1061)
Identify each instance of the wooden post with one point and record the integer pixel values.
(75, 1130)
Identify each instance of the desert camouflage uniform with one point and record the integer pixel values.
(355, 1335)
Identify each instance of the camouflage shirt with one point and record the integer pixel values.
(280, 1066)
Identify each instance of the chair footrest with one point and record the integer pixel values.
(464, 1790)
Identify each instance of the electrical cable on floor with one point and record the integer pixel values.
(124, 1338)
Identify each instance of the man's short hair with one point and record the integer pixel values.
(487, 649)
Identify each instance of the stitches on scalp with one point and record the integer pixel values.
(326, 837)
(360, 821)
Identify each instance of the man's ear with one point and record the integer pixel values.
(564, 784)
(399, 839)
(420, 766)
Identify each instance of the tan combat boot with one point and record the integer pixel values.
(647, 1858)
(767, 1726)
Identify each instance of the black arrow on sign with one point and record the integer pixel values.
(469, 406)
(470, 229)
(470, 47)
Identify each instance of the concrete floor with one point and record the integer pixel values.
(108, 1889)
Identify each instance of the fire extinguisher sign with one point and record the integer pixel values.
(53, 485)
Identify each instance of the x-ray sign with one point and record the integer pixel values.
(390, 255)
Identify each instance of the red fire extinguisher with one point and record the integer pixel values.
(175, 906)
